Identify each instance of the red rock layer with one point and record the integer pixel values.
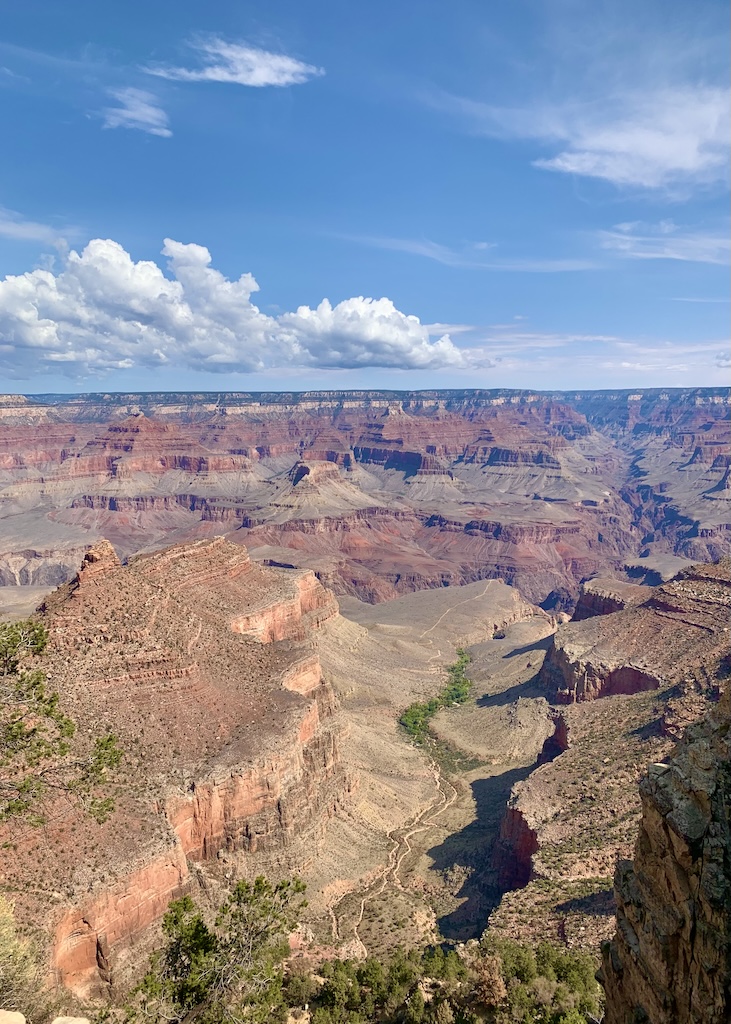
(231, 741)
(682, 629)
(542, 490)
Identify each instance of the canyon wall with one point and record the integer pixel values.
(629, 682)
(380, 493)
(677, 635)
(670, 959)
(201, 663)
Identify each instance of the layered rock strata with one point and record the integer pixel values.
(389, 492)
(678, 635)
(602, 596)
(571, 819)
(201, 664)
(670, 959)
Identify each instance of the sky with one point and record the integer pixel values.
(299, 194)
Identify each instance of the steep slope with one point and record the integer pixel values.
(670, 959)
(680, 632)
(632, 680)
(202, 664)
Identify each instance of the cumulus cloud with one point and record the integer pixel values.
(241, 64)
(137, 109)
(104, 311)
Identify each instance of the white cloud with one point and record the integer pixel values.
(137, 109)
(14, 226)
(240, 64)
(669, 137)
(672, 136)
(465, 257)
(104, 311)
(666, 241)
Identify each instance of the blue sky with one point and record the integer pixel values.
(293, 195)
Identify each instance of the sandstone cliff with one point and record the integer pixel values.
(656, 667)
(670, 960)
(201, 663)
(603, 596)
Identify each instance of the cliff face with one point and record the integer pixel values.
(604, 596)
(656, 667)
(670, 960)
(201, 663)
(681, 630)
(398, 491)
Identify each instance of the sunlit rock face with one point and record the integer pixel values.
(202, 663)
(670, 960)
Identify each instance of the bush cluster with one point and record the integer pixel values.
(415, 719)
(233, 969)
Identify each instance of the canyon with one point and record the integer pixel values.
(267, 582)
(380, 493)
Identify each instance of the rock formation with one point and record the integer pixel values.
(678, 635)
(201, 663)
(670, 959)
(383, 492)
(656, 667)
(601, 596)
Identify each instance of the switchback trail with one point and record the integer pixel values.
(388, 875)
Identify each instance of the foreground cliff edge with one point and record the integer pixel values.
(231, 738)
(670, 960)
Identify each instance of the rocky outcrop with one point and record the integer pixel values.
(678, 635)
(201, 663)
(517, 842)
(602, 596)
(670, 960)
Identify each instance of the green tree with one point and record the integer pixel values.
(230, 970)
(35, 735)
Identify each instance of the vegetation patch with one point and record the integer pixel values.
(235, 968)
(416, 719)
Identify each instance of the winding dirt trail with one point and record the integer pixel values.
(459, 604)
(388, 875)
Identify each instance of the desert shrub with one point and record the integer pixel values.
(36, 735)
(227, 970)
(545, 985)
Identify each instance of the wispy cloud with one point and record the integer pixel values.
(678, 298)
(666, 241)
(669, 137)
(241, 64)
(16, 227)
(137, 109)
(467, 255)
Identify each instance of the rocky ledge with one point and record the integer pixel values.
(679, 632)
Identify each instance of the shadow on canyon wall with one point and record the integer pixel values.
(468, 854)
